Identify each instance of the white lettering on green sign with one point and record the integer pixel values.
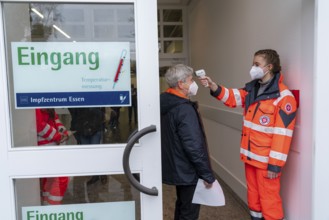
(27, 56)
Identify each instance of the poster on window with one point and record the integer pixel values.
(71, 74)
(91, 211)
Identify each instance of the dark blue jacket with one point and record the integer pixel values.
(184, 150)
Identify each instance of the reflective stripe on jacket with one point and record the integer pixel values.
(48, 130)
(268, 121)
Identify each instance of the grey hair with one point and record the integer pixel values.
(179, 72)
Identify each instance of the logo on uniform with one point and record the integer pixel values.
(288, 107)
(264, 120)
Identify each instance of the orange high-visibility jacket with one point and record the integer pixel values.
(268, 121)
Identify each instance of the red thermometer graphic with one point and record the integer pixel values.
(117, 74)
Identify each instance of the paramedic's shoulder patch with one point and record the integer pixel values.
(288, 110)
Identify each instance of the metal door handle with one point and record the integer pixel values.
(133, 138)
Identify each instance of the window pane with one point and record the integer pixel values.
(59, 195)
(73, 15)
(172, 15)
(174, 46)
(172, 31)
(102, 31)
(126, 31)
(86, 25)
(104, 15)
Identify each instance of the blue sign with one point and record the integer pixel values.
(64, 99)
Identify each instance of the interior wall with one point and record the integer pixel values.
(223, 36)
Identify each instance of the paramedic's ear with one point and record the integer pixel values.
(270, 67)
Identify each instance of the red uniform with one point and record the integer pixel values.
(50, 131)
(268, 125)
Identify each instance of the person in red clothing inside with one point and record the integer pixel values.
(268, 123)
(51, 131)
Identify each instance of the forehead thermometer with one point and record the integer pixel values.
(201, 74)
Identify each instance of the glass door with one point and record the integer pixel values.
(80, 106)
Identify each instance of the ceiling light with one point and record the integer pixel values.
(61, 31)
(37, 12)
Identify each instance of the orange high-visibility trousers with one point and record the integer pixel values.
(53, 189)
(264, 200)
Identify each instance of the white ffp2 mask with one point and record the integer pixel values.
(256, 72)
(193, 89)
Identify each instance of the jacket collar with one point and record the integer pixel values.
(272, 88)
(176, 93)
(272, 91)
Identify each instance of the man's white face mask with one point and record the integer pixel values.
(193, 89)
(257, 72)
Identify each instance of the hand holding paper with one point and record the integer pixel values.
(213, 196)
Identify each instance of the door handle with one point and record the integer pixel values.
(133, 138)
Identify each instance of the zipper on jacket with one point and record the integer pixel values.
(249, 148)
(248, 158)
(256, 109)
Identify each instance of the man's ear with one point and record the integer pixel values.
(180, 85)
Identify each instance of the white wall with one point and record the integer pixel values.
(223, 36)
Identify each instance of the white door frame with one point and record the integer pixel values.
(146, 156)
(321, 116)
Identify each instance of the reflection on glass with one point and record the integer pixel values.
(125, 14)
(172, 31)
(75, 190)
(174, 46)
(104, 15)
(172, 15)
(102, 31)
(72, 15)
(126, 31)
(85, 126)
(101, 125)
(43, 22)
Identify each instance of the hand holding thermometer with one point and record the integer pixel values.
(201, 74)
(122, 58)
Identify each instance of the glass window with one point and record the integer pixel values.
(174, 46)
(78, 197)
(39, 40)
(73, 15)
(172, 15)
(104, 15)
(170, 31)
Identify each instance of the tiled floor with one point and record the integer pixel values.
(234, 209)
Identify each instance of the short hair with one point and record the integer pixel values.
(179, 72)
(271, 57)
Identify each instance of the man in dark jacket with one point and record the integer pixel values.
(184, 148)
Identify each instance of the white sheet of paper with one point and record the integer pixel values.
(210, 197)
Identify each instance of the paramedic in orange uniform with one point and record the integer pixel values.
(268, 123)
(51, 131)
